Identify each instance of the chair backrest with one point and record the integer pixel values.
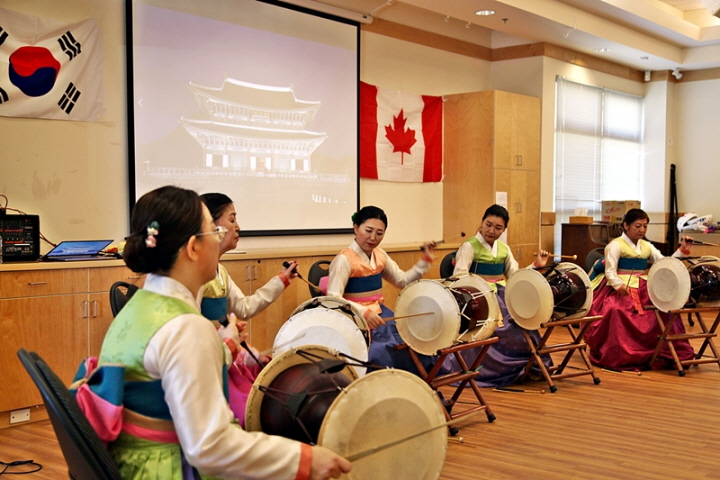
(592, 257)
(317, 271)
(85, 454)
(120, 293)
(447, 265)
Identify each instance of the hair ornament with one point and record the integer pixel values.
(152, 230)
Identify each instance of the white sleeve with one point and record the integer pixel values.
(463, 259)
(511, 265)
(187, 356)
(396, 276)
(612, 256)
(246, 307)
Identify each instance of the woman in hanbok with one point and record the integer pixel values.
(626, 337)
(176, 420)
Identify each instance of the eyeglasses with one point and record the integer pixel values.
(219, 233)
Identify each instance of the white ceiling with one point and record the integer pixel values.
(642, 34)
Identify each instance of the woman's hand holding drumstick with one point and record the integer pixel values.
(294, 272)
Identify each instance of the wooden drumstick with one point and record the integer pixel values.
(408, 316)
(440, 242)
(570, 257)
(698, 242)
(385, 446)
(284, 344)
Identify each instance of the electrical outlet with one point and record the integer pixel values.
(17, 416)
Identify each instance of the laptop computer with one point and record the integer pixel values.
(75, 250)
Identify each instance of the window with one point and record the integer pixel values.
(598, 149)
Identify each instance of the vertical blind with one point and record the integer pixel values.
(598, 148)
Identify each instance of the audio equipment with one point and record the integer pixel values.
(21, 237)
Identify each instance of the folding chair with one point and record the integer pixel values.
(577, 344)
(707, 334)
(86, 456)
(461, 378)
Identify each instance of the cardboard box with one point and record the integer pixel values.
(612, 211)
(547, 237)
(583, 220)
(547, 218)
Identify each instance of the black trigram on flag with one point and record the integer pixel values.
(3, 35)
(3, 96)
(69, 98)
(70, 46)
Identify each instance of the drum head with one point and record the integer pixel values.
(438, 329)
(277, 365)
(320, 326)
(577, 302)
(494, 315)
(334, 303)
(668, 284)
(705, 281)
(381, 407)
(529, 299)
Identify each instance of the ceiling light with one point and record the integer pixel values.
(485, 13)
(602, 50)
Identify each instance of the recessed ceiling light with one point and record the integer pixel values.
(485, 13)
(602, 50)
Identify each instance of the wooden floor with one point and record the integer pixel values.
(657, 425)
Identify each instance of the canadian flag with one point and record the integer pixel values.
(400, 135)
(49, 69)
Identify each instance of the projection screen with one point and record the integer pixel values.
(250, 99)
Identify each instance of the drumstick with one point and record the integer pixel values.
(284, 344)
(698, 242)
(571, 257)
(440, 242)
(408, 316)
(286, 264)
(385, 446)
(518, 390)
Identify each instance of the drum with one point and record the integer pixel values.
(444, 312)
(563, 293)
(705, 281)
(301, 395)
(327, 321)
(668, 284)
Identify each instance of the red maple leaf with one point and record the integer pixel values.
(401, 138)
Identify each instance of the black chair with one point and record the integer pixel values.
(447, 265)
(120, 293)
(592, 257)
(85, 454)
(317, 271)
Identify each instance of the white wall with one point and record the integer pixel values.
(697, 146)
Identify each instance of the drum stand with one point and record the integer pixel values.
(557, 372)
(464, 376)
(706, 334)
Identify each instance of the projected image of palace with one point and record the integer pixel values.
(255, 129)
(255, 144)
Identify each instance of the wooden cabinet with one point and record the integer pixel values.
(492, 144)
(579, 239)
(63, 311)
